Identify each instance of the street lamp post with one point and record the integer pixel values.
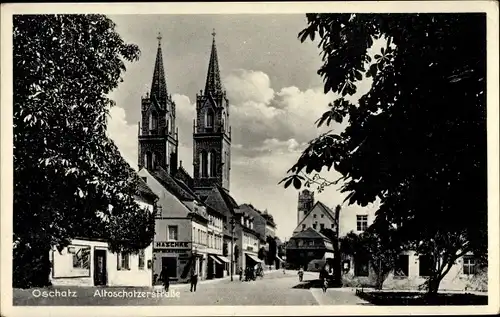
(232, 247)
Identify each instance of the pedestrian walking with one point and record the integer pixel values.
(194, 280)
(165, 278)
(240, 271)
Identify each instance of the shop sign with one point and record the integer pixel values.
(172, 245)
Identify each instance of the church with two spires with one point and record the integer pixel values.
(196, 218)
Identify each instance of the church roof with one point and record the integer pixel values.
(213, 84)
(159, 84)
(173, 185)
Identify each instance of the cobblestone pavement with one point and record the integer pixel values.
(275, 288)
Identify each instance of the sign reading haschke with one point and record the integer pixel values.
(172, 245)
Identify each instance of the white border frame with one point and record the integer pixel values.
(489, 7)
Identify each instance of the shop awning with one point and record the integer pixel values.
(279, 259)
(253, 257)
(223, 259)
(213, 257)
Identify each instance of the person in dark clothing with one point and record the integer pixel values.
(240, 271)
(194, 280)
(165, 278)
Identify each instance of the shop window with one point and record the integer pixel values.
(81, 257)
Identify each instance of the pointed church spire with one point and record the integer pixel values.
(159, 85)
(213, 85)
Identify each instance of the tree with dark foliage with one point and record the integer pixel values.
(69, 178)
(417, 139)
(379, 245)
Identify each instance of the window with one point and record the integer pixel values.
(173, 233)
(314, 226)
(322, 216)
(303, 227)
(425, 265)
(149, 160)
(361, 222)
(81, 257)
(361, 266)
(209, 118)
(322, 226)
(153, 121)
(141, 259)
(470, 265)
(314, 216)
(213, 164)
(203, 164)
(209, 163)
(123, 261)
(333, 226)
(401, 267)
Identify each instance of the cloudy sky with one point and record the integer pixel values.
(272, 85)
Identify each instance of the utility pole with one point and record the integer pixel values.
(232, 247)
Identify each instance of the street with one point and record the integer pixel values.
(275, 288)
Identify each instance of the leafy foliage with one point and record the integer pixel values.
(417, 139)
(67, 171)
(379, 244)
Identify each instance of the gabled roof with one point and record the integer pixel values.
(322, 207)
(172, 185)
(309, 233)
(143, 191)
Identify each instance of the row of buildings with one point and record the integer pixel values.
(199, 225)
(310, 247)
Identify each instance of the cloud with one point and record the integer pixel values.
(270, 129)
(258, 112)
(121, 132)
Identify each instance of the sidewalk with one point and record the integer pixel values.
(235, 277)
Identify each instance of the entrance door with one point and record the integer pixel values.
(171, 263)
(100, 274)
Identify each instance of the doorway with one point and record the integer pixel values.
(171, 263)
(100, 272)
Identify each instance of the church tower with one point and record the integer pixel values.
(306, 203)
(158, 135)
(212, 132)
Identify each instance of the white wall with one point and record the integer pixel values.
(64, 274)
(348, 217)
(309, 221)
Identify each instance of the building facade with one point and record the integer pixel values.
(181, 228)
(248, 240)
(90, 262)
(410, 270)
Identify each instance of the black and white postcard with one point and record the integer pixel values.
(250, 158)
